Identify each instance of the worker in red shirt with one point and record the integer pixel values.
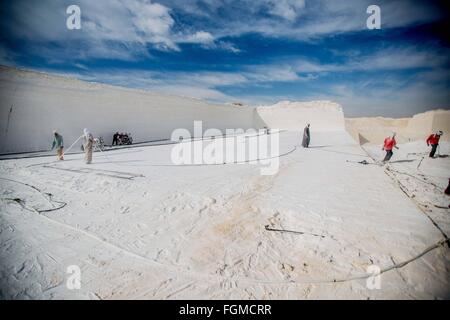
(434, 141)
(389, 144)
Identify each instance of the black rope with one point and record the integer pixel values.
(47, 196)
(268, 228)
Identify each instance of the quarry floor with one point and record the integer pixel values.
(139, 227)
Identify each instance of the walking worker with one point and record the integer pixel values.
(58, 143)
(389, 145)
(88, 145)
(434, 141)
(306, 136)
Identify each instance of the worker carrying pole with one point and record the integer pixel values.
(433, 140)
(58, 143)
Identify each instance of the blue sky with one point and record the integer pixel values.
(256, 52)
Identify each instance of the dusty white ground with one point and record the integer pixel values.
(192, 232)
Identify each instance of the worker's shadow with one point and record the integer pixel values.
(443, 156)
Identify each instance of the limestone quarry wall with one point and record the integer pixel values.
(375, 130)
(422, 124)
(322, 115)
(33, 104)
(419, 127)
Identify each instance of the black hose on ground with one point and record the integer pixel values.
(46, 196)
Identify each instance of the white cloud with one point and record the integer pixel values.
(199, 37)
(137, 22)
(152, 22)
(136, 25)
(271, 73)
(287, 9)
(207, 41)
(125, 29)
(391, 58)
(116, 29)
(208, 84)
(113, 29)
(301, 19)
(395, 101)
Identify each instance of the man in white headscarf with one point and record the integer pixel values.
(88, 145)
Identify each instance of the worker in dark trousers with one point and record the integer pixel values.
(58, 143)
(115, 139)
(389, 145)
(433, 140)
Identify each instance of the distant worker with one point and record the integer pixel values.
(434, 141)
(115, 139)
(88, 145)
(58, 143)
(447, 191)
(306, 136)
(389, 145)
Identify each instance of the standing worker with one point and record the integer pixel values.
(115, 139)
(434, 141)
(306, 137)
(389, 144)
(58, 143)
(88, 145)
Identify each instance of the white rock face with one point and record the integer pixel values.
(322, 115)
(32, 105)
(418, 128)
(423, 124)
